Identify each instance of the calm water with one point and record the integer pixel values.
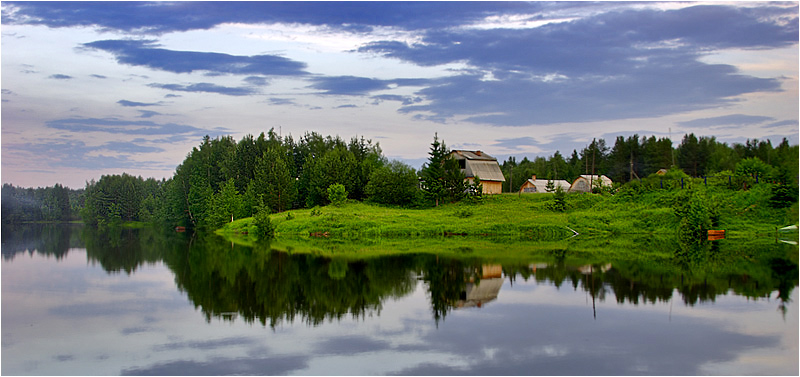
(76, 301)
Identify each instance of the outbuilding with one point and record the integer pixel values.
(585, 182)
(533, 185)
(479, 164)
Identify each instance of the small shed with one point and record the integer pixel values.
(584, 182)
(540, 185)
(479, 164)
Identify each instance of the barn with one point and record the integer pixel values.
(479, 164)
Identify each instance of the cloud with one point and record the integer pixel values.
(146, 54)
(159, 18)
(205, 87)
(516, 143)
(127, 103)
(59, 76)
(98, 76)
(256, 80)
(60, 153)
(281, 101)
(125, 127)
(405, 100)
(609, 66)
(348, 85)
(727, 120)
(359, 86)
(791, 122)
(147, 113)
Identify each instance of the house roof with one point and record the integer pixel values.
(605, 180)
(471, 155)
(479, 164)
(541, 184)
(485, 170)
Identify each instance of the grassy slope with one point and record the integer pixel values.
(523, 217)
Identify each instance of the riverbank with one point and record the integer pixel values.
(740, 213)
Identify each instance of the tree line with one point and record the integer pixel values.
(635, 157)
(56, 203)
(222, 179)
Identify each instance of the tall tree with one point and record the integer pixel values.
(433, 172)
(273, 181)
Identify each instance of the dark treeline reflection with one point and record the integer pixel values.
(257, 284)
(51, 240)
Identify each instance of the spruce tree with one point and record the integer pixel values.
(433, 173)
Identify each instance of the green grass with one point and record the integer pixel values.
(510, 219)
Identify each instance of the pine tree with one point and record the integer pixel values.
(433, 172)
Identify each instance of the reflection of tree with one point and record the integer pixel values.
(258, 284)
(45, 239)
(224, 279)
(122, 249)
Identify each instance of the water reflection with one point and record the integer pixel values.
(256, 284)
(51, 240)
(252, 310)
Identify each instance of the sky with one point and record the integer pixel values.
(96, 88)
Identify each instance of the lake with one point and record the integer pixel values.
(79, 301)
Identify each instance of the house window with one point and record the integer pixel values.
(462, 164)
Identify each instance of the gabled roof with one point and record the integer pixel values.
(471, 155)
(541, 184)
(485, 170)
(479, 164)
(605, 180)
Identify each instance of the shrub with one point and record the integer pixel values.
(696, 218)
(782, 196)
(337, 194)
(559, 202)
(263, 224)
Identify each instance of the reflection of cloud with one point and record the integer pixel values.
(207, 344)
(554, 337)
(277, 365)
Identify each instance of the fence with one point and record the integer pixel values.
(733, 182)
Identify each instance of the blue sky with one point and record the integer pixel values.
(104, 88)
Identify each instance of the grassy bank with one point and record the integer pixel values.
(527, 217)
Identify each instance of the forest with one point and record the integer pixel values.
(221, 179)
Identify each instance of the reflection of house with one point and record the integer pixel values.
(540, 185)
(589, 269)
(486, 290)
(478, 164)
(585, 182)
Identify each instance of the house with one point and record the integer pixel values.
(540, 185)
(478, 164)
(585, 182)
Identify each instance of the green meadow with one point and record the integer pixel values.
(512, 225)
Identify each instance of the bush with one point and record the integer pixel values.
(337, 194)
(782, 196)
(559, 202)
(263, 224)
(696, 218)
